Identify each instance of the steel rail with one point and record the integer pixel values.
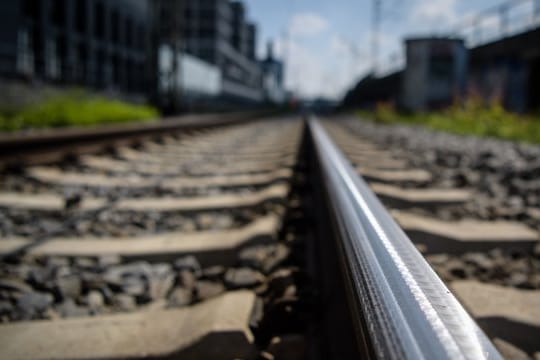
(406, 310)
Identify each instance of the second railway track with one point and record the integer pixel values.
(255, 240)
(180, 247)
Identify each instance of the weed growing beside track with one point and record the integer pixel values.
(74, 109)
(472, 118)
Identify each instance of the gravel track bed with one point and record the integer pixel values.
(46, 287)
(53, 287)
(21, 183)
(505, 175)
(107, 223)
(514, 269)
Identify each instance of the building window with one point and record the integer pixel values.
(100, 69)
(128, 75)
(141, 37)
(52, 60)
(57, 12)
(31, 9)
(128, 35)
(25, 54)
(115, 22)
(99, 20)
(80, 67)
(116, 70)
(80, 16)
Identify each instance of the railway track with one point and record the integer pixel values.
(248, 240)
(491, 263)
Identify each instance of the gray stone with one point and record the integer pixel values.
(518, 280)
(437, 259)
(243, 278)
(188, 263)
(481, 260)
(86, 263)
(133, 272)
(213, 272)
(264, 258)
(34, 302)
(125, 302)
(253, 256)
(160, 285)
(5, 307)
(187, 279)
(55, 262)
(22, 271)
(15, 285)
(278, 255)
(69, 309)
(180, 297)
(208, 289)
(39, 275)
(62, 271)
(109, 260)
(134, 286)
(68, 286)
(95, 300)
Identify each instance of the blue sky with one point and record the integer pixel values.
(327, 43)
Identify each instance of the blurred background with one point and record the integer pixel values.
(140, 58)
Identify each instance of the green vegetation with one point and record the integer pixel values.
(74, 109)
(474, 118)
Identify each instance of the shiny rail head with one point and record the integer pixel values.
(407, 310)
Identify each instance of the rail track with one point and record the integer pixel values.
(246, 240)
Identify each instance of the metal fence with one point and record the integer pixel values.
(507, 19)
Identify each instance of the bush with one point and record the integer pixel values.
(75, 109)
(473, 117)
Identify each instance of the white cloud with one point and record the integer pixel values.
(341, 46)
(434, 13)
(330, 73)
(307, 25)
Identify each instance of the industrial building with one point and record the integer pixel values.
(179, 53)
(438, 71)
(217, 32)
(92, 43)
(207, 56)
(503, 65)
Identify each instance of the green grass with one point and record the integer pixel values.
(74, 109)
(471, 118)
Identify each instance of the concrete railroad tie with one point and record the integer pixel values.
(53, 202)
(57, 177)
(466, 235)
(506, 313)
(215, 329)
(45, 202)
(385, 163)
(396, 197)
(396, 176)
(211, 247)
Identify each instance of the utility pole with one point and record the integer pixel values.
(375, 34)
